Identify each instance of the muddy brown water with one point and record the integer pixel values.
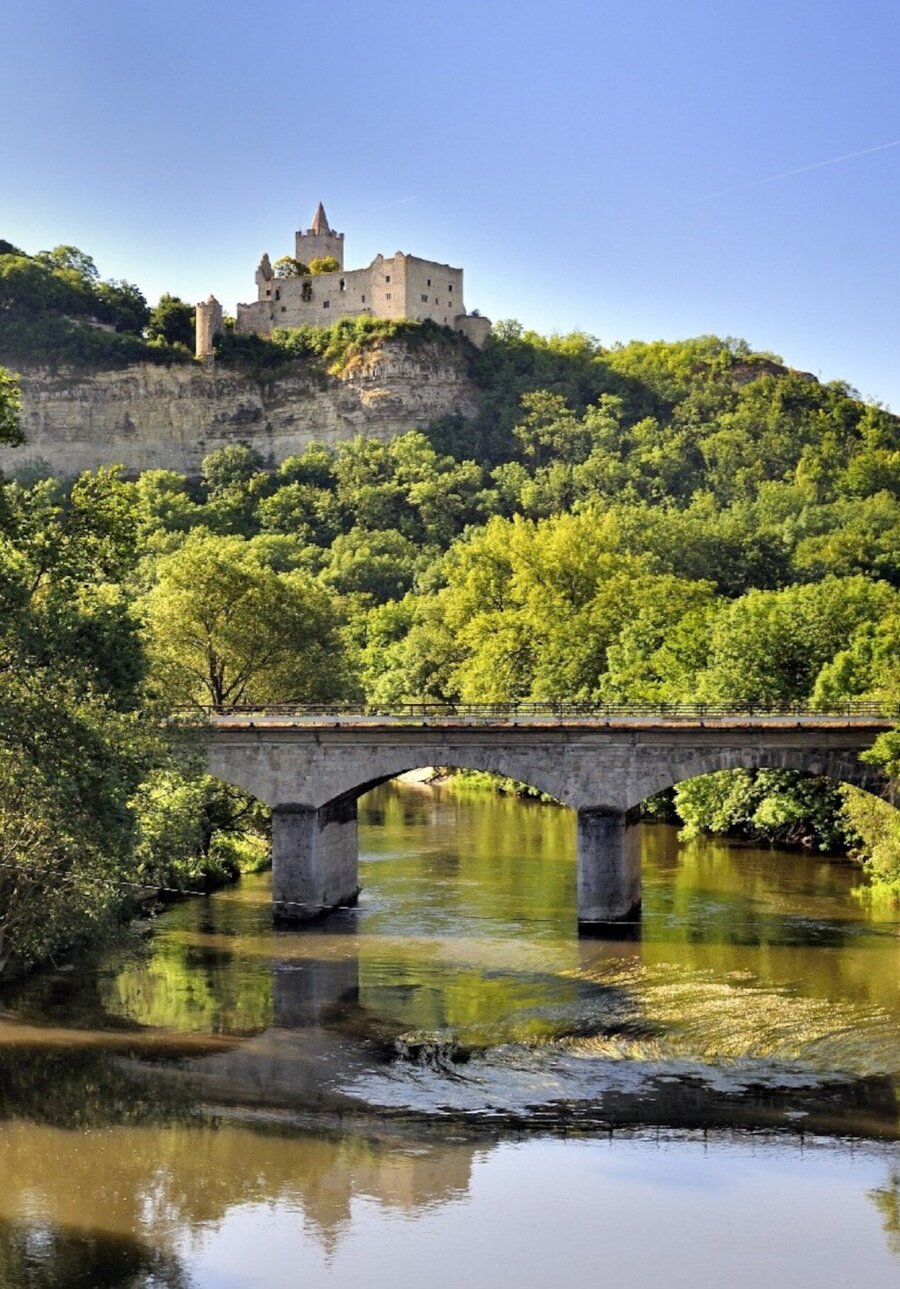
(447, 1085)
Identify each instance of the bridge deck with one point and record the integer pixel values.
(735, 721)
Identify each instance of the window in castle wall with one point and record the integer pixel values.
(364, 299)
(342, 285)
(428, 283)
(277, 295)
(326, 304)
(388, 278)
(424, 299)
(450, 289)
(387, 295)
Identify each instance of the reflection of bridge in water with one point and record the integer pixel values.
(312, 764)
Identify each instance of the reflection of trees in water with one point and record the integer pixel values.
(87, 1088)
(714, 906)
(159, 1181)
(188, 983)
(44, 1256)
(887, 1200)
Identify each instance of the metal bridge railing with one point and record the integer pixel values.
(887, 712)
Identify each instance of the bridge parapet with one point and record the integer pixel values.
(568, 713)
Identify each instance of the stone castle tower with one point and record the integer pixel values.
(319, 241)
(209, 323)
(402, 286)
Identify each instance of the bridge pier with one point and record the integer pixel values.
(609, 868)
(315, 859)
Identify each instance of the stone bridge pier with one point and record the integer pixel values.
(315, 859)
(312, 771)
(609, 867)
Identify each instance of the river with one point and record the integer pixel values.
(446, 1086)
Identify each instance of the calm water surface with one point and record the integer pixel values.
(445, 1084)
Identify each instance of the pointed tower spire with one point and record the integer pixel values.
(320, 221)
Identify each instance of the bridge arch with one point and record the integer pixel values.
(841, 766)
(317, 779)
(544, 780)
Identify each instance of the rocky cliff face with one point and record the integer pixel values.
(146, 417)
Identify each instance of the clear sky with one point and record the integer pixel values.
(643, 169)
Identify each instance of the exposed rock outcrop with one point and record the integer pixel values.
(149, 417)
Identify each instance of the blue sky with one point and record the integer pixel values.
(591, 165)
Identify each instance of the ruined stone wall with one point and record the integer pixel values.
(157, 417)
(403, 286)
(433, 291)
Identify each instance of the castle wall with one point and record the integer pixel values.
(332, 296)
(433, 291)
(403, 286)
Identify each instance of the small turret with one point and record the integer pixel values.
(264, 275)
(209, 324)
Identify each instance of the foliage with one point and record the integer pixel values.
(54, 308)
(10, 409)
(224, 628)
(778, 807)
(333, 348)
(172, 320)
(324, 264)
(54, 341)
(74, 744)
(290, 266)
(876, 826)
(195, 831)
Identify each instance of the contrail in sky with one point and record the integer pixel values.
(802, 170)
(401, 202)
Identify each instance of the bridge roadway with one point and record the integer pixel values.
(312, 767)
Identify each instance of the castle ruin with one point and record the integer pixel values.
(290, 295)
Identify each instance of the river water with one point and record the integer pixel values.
(446, 1086)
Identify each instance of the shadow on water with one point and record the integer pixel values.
(38, 1255)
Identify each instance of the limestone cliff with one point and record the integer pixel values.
(149, 417)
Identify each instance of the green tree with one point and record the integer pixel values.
(10, 410)
(289, 266)
(123, 304)
(224, 628)
(770, 646)
(69, 259)
(172, 319)
(73, 743)
(377, 565)
(778, 807)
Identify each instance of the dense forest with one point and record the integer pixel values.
(687, 521)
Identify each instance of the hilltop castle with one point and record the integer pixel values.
(290, 295)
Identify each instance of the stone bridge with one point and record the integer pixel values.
(311, 769)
